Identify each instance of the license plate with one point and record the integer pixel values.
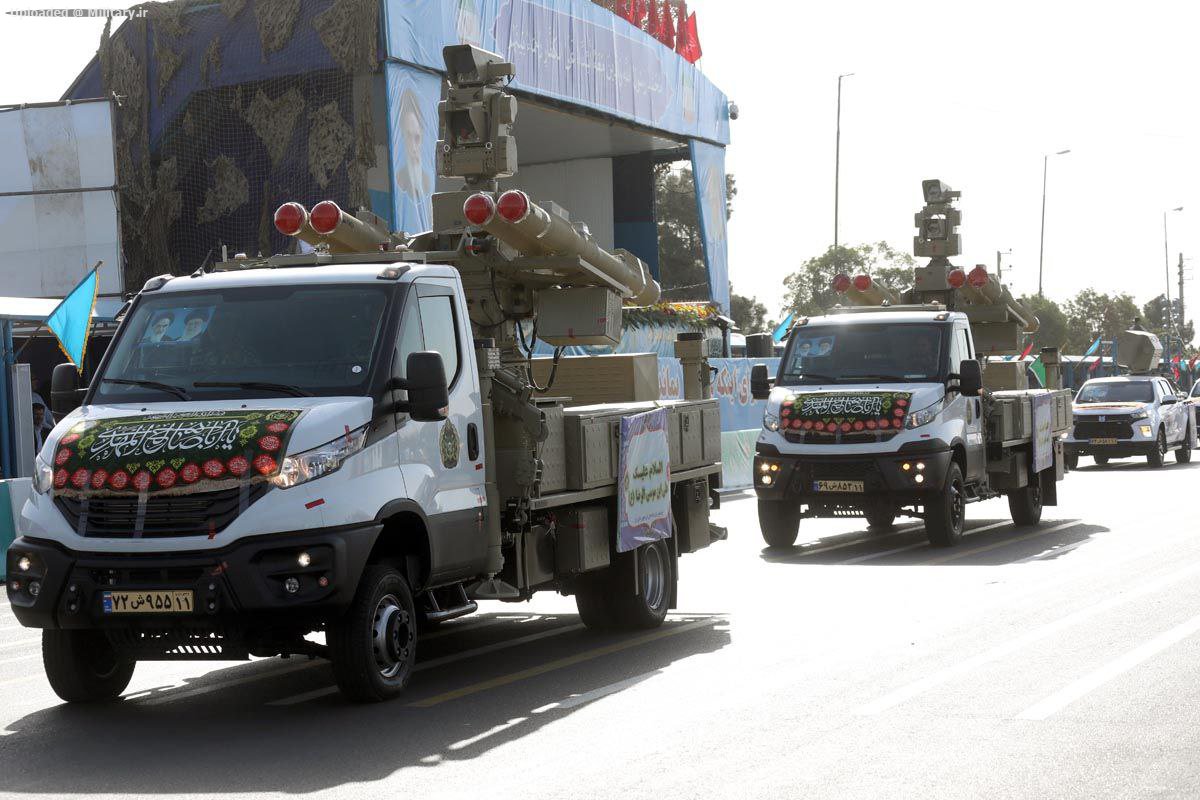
(1104, 441)
(837, 486)
(170, 601)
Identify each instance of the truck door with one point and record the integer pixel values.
(442, 462)
(971, 407)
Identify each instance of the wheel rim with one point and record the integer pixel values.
(391, 636)
(654, 577)
(104, 660)
(957, 506)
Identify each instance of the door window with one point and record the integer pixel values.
(441, 332)
(411, 340)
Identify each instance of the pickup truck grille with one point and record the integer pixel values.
(117, 517)
(1116, 427)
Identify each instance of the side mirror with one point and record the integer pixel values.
(970, 378)
(64, 390)
(428, 397)
(1169, 399)
(760, 382)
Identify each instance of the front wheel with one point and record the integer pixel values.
(373, 646)
(879, 518)
(1101, 461)
(1025, 504)
(945, 512)
(779, 522)
(1073, 461)
(83, 666)
(1184, 454)
(1158, 455)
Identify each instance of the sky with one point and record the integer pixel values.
(972, 93)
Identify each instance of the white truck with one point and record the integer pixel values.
(349, 442)
(882, 407)
(1130, 416)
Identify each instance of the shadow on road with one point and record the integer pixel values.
(1125, 464)
(229, 740)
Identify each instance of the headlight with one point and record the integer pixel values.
(1141, 413)
(43, 476)
(311, 464)
(925, 416)
(771, 421)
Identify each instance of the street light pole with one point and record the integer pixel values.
(837, 159)
(1042, 242)
(1167, 263)
(999, 274)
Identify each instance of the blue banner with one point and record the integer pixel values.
(413, 97)
(708, 170)
(569, 50)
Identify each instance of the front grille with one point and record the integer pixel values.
(842, 470)
(813, 437)
(1112, 428)
(119, 517)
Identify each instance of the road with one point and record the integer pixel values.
(1056, 661)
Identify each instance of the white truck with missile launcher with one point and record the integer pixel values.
(883, 406)
(351, 442)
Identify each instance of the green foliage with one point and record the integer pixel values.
(749, 315)
(680, 249)
(1053, 327)
(1155, 319)
(1091, 313)
(809, 292)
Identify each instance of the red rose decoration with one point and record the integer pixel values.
(818, 426)
(214, 468)
(899, 412)
(61, 457)
(278, 427)
(883, 423)
(858, 426)
(141, 481)
(79, 478)
(119, 479)
(60, 478)
(795, 423)
(269, 443)
(99, 478)
(69, 438)
(238, 465)
(871, 424)
(265, 464)
(808, 424)
(166, 477)
(902, 402)
(845, 427)
(190, 473)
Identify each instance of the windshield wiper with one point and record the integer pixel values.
(816, 377)
(162, 387)
(294, 391)
(876, 376)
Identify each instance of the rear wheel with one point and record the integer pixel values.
(1184, 454)
(1073, 461)
(779, 522)
(1025, 504)
(83, 666)
(945, 512)
(606, 599)
(1158, 455)
(373, 646)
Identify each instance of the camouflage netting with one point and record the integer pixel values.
(229, 109)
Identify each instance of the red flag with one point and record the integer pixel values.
(1028, 349)
(1192, 363)
(667, 26)
(1095, 364)
(640, 8)
(654, 24)
(1176, 372)
(625, 9)
(688, 42)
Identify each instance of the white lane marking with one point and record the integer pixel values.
(438, 662)
(986, 548)
(576, 700)
(915, 545)
(1013, 645)
(1094, 680)
(29, 657)
(170, 695)
(852, 542)
(1052, 553)
(20, 679)
(19, 643)
(473, 625)
(459, 745)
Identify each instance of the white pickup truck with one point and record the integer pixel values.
(1130, 416)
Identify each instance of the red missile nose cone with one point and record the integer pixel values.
(841, 282)
(978, 277)
(862, 282)
(956, 278)
(513, 205)
(325, 217)
(479, 208)
(290, 218)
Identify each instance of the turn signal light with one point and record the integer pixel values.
(479, 209)
(513, 206)
(325, 217)
(290, 218)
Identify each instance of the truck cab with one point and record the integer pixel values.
(1131, 416)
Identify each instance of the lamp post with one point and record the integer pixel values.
(1042, 242)
(999, 274)
(1170, 320)
(837, 159)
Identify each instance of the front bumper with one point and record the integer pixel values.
(1124, 448)
(242, 585)
(795, 477)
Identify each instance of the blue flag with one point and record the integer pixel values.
(782, 330)
(1093, 348)
(71, 320)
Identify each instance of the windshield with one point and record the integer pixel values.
(1117, 392)
(300, 340)
(897, 352)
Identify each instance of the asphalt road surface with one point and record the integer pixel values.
(1057, 661)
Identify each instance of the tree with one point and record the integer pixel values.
(749, 315)
(680, 248)
(1155, 319)
(1052, 322)
(1091, 314)
(809, 290)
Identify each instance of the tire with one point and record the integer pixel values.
(945, 512)
(1073, 461)
(1184, 454)
(879, 519)
(1101, 461)
(373, 646)
(83, 666)
(606, 602)
(779, 523)
(1025, 505)
(1158, 455)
